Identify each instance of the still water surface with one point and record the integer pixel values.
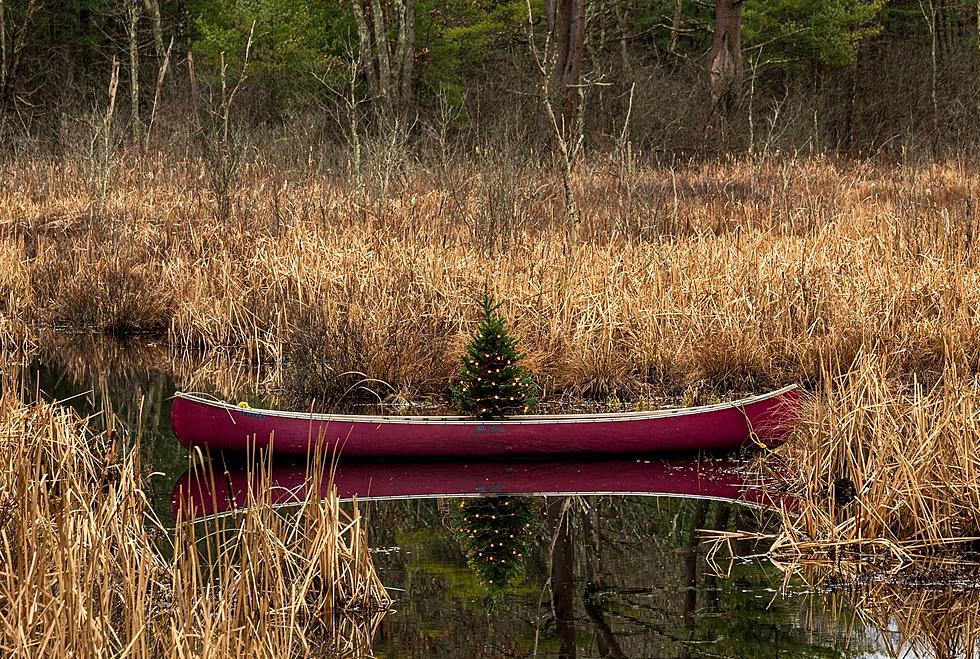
(621, 574)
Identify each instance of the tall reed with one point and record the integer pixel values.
(885, 471)
(743, 274)
(86, 569)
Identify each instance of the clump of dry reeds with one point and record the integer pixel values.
(885, 472)
(743, 274)
(86, 570)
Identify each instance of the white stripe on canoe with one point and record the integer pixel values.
(487, 495)
(529, 419)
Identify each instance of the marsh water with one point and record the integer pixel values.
(622, 574)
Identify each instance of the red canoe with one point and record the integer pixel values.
(203, 493)
(222, 426)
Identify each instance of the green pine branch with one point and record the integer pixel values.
(492, 382)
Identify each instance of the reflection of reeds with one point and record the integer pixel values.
(885, 473)
(939, 622)
(352, 636)
(935, 614)
(127, 365)
(82, 572)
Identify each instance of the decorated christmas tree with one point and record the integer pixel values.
(493, 384)
(495, 534)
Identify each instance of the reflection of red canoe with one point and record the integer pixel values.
(224, 427)
(216, 492)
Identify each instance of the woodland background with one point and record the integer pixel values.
(307, 80)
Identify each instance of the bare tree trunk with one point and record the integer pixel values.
(161, 76)
(133, 17)
(153, 6)
(3, 46)
(675, 25)
(364, 46)
(181, 28)
(951, 29)
(389, 73)
(562, 575)
(691, 561)
(12, 53)
(725, 61)
(576, 57)
(851, 104)
(408, 57)
(384, 64)
(930, 14)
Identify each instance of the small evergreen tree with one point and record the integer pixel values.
(493, 384)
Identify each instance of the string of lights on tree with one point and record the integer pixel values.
(492, 382)
(496, 534)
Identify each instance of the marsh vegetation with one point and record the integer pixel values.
(81, 543)
(301, 204)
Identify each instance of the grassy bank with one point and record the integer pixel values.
(85, 569)
(743, 275)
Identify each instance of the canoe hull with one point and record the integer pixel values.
(224, 427)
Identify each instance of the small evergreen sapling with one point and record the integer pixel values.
(493, 384)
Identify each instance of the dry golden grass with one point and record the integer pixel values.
(745, 275)
(739, 275)
(84, 572)
(886, 473)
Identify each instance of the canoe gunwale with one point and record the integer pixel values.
(530, 419)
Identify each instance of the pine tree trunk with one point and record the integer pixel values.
(624, 55)
(562, 21)
(569, 38)
(725, 60)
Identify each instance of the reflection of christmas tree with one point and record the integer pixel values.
(492, 382)
(496, 534)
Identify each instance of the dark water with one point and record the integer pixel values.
(598, 576)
